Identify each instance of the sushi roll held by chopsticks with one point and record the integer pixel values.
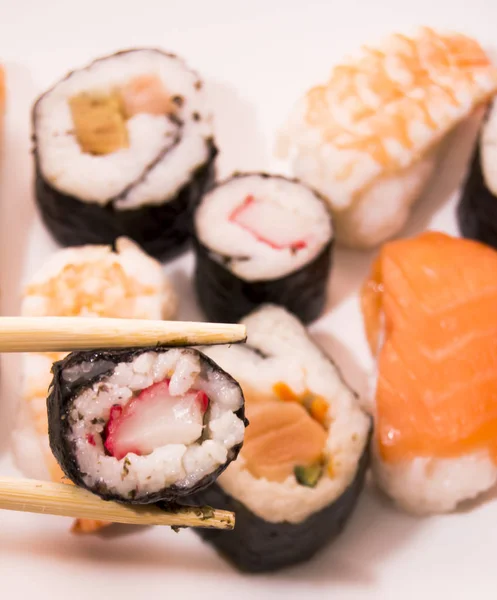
(146, 425)
(368, 138)
(123, 147)
(262, 239)
(135, 425)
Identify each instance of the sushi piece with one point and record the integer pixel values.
(2, 96)
(144, 425)
(305, 454)
(262, 239)
(123, 147)
(369, 137)
(91, 281)
(429, 310)
(477, 208)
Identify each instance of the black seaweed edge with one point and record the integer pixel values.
(59, 400)
(258, 546)
(54, 205)
(212, 275)
(476, 211)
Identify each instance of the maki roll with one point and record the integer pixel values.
(92, 281)
(477, 208)
(368, 139)
(123, 147)
(262, 239)
(429, 311)
(146, 425)
(305, 454)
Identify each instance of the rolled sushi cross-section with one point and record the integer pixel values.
(429, 310)
(369, 137)
(477, 209)
(262, 239)
(123, 147)
(142, 426)
(87, 281)
(305, 455)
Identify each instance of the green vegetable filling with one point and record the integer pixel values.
(310, 475)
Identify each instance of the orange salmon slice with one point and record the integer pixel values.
(430, 314)
(281, 436)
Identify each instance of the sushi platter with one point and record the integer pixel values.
(314, 183)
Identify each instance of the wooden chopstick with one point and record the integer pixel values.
(65, 334)
(30, 495)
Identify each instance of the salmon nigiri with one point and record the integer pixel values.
(430, 313)
(368, 138)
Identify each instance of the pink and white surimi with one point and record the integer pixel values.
(267, 226)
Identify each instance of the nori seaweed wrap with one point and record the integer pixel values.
(262, 239)
(124, 147)
(477, 208)
(144, 425)
(257, 545)
(301, 470)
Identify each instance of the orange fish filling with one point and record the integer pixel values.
(146, 94)
(437, 385)
(280, 437)
(287, 431)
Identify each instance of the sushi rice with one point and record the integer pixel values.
(294, 359)
(368, 139)
(288, 506)
(259, 246)
(145, 425)
(430, 451)
(124, 147)
(425, 485)
(87, 281)
(260, 239)
(162, 153)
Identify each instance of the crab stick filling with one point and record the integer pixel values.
(272, 224)
(153, 419)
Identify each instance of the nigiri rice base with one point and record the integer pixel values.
(381, 210)
(425, 486)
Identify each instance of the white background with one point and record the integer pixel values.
(256, 56)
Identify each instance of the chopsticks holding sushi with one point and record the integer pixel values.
(61, 334)
(30, 495)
